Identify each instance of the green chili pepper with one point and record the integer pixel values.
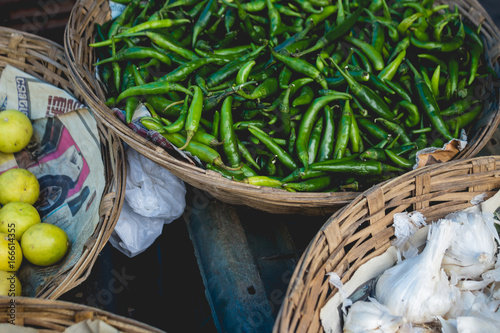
(183, 71)
(338, 31)
(378, 36)
(270, 167)
(310, 185)
(193, 115)
(284, 109)
(291, 140)
(245, 153)
(245, 123)
(233, 67)
(203, 20)
(206, 138)
(368, 50)
(390, 70)
(262, 181)
(326, 145)
(398, 160)
(343, 132)
(355, 136)
(408, 21)
(251, 6)
(360, 76)
(429, 104)
(314, 140)
(459, 106)
(435, 60)
(302, 174)
(441, 22)
(449, 46)
(134, 53)
(395, 128)
(244, 72)
(160, 24)
(305, 97)
(284, 77)
(453, 74)
(123, 18)
(227, 135)
(464, 119)
(475, 47)
(363, 62)
(399, 90)
(374, 153)
(180, 122)
(356, 167)
(404, 148)
(152, 88)
(367, 97)
(307, 6)
(268, 87)
(180, 3)
(302, 66)
(307, 124)
(299, 83)
(233, 175)
(413, 117)
(203, 152)
(130, 107)
(392, 32)
(372, 128)
(273, 147)
(375, 83)
(435, 81)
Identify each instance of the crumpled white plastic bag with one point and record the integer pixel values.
(153, 197)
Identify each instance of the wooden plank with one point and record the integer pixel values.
(233, 286)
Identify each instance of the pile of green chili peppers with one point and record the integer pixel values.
(300, 95)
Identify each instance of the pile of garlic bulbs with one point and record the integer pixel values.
(451, 285)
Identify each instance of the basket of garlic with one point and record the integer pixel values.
(416, 253)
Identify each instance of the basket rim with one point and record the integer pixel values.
(21, 304)
(112, 151)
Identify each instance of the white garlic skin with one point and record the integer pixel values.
(371, 316)
(417, 288)
(473, 251)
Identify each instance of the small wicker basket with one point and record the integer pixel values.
(46, 60)
(55, 316)
(363, 230)
(80, 33)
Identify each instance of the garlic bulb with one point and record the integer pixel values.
(417, 288)
(371, 316)
(473, 251)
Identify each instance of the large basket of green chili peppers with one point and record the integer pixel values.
(288, 106)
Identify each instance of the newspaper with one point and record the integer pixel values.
(65, 156)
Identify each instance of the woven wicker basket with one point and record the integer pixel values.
(46, 60)
(80, 32)
(362, 230)
(55, 316)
